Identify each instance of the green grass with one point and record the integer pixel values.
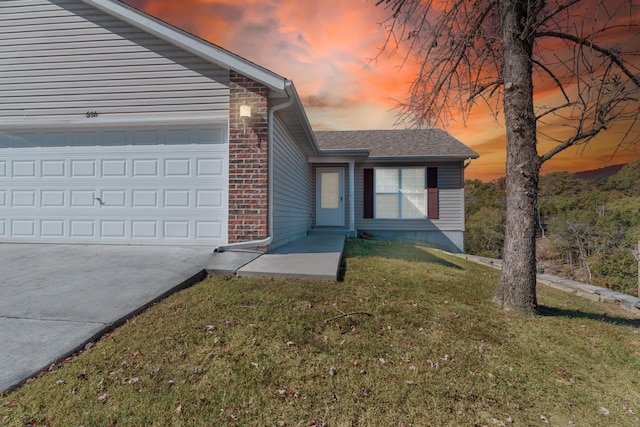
(434, 351)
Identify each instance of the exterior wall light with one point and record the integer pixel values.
(245, 112)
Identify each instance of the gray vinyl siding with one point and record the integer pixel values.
(292, 188)
(451, 202)
(61, 59)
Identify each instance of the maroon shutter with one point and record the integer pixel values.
(432, 193)
(368, 193)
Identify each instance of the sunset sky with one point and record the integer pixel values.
(329, 49)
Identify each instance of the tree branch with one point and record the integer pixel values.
(553, 76)
(585, 42)
(348, 315)
(484, 87)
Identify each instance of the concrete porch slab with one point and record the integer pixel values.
(228, 262)
(312, 257)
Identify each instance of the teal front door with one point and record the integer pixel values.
(330, 197)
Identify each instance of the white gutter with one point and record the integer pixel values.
(269, 239)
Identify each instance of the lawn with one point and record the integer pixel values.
(410, 337)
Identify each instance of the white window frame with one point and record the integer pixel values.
(400, 193)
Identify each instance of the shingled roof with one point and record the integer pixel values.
(398, 143)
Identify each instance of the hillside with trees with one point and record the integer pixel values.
(587, 227)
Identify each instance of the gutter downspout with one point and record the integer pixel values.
(269, 239)
(352, 216)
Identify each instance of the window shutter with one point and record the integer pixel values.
(432, 193)
(368, 193)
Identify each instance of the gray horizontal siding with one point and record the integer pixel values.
(60, 59)
(451, 203)
(292, 187)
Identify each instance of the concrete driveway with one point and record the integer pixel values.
(55, 298)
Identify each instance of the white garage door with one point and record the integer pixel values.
(131, 186)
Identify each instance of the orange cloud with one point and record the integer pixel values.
(327, 48)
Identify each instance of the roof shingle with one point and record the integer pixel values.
(397, 143)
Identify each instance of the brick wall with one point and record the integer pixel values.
(248, 161)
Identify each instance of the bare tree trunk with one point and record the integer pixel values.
(517, 288)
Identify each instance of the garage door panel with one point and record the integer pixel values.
(53, 168)
(122, 190)
(52, 228)
(52, 199)
(145, 168)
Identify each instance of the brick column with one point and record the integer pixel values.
(248, 161)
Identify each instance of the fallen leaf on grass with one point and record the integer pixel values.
(104, 397)
(12, 403)
(179, 408)
(233, 322)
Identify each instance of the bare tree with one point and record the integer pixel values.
(560, 73)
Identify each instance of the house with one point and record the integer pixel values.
(117, 128)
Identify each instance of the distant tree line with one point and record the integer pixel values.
(586, 227)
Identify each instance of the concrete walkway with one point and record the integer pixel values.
(56, 298)
(594, 293)
(312, 257)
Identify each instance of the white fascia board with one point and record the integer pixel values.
(336, 159)
(190, 43)
(385, 159)
(340, 156)
(302, 116)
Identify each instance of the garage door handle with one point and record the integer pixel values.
(99, 200)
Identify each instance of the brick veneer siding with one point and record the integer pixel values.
(248, 161)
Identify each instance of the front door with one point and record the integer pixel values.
(330, 197)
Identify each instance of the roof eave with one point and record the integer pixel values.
(447, 158)
(191, 43)
(340, 155)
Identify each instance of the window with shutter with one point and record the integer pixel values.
(400, 193)
(432, 193)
